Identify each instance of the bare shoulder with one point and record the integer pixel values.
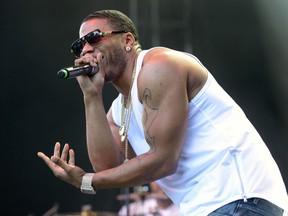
(165, 70)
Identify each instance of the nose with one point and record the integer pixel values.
(87, 48)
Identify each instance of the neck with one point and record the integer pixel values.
(123, 84)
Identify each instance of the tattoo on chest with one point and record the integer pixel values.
(149, 115)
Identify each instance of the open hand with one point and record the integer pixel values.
(63, 168)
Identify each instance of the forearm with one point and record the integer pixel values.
(137, 171)
(102, 149)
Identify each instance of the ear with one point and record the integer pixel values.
(129, 40)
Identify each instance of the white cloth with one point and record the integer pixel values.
(148, 207)
(223, 158)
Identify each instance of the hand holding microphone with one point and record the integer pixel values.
(72, 72)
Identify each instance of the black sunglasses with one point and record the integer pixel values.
(91, 38)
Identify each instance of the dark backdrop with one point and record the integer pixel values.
(234, 39)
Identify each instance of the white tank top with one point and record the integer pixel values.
(223, 158)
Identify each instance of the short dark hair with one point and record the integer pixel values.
(118, 20)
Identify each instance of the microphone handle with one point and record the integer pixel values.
(72, 72)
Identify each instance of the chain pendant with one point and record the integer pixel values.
(123, 137)
(122, 130)
(126, 114)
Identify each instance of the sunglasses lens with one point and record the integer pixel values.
(91, 38)
(77, 47)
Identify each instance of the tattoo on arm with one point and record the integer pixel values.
(149, 115)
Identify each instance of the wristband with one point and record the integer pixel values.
(86, 186)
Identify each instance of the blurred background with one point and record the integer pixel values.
(242, 43)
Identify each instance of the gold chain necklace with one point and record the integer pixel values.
(126, 115)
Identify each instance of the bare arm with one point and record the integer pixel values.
(163, 92)
(102, 149)
(162, 88)
(104, 152)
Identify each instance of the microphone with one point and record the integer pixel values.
(72, 72)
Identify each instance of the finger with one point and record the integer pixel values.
(65, 150)
(71, 157)
(92, 62)
(57, 149)
(47, 160)
(61, 163)
(41, 155)
(83, 60)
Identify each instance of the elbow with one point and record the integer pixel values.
(169, 168)
(96, 169)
